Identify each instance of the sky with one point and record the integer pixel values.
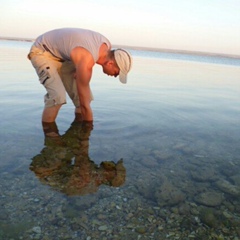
(194, 25)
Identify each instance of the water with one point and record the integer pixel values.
(162, 161)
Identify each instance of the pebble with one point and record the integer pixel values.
(160, 228)
(36, 230)
(191, 236)
(227, 215)
(103, 228)
(101, 216)
(141, 230)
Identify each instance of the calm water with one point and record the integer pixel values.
(162, 161)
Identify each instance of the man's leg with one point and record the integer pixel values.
(67, 72)
(50, 113)
(47, 69)
(49, 125)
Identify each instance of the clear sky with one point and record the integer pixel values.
(197, 25)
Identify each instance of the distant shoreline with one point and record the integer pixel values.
(177, 51)
(17, 39)
(145, 49)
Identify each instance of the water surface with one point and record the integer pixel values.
(162, 161)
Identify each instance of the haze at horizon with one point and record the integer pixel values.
(180, 25)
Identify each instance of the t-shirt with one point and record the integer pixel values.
(60, 42)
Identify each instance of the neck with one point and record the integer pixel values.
(103, 52)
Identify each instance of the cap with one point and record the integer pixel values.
(124, 62)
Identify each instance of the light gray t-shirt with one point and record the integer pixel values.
(60, 42)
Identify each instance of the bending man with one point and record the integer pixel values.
(64, 59)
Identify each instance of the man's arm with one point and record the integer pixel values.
(84, 63)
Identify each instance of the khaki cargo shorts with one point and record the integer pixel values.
(56, 76)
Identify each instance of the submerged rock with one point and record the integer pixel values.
(103, 228)
(141, 230)
(228, 188)
(169, 195)
(208, 217)
(229, 169)
(184, 209)
(236, 179)
(37, 230)
(203, 174)
(150, 162)
(211, 199)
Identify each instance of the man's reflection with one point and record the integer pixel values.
(64, 164)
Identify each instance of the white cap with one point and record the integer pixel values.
(124, 62)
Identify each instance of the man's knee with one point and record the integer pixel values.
(54, 99)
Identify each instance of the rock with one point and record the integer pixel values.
(226, 214)
(103, 228)
(159, 155)
(169, 195)
(149, 162)
(70, 211)
(211, 199)
(141, 230)
(184, 209)
(37, 230)
(208, 217)
(203, 174)
(101, 216)
(228, 188)
(236, 179)
(84, 202)
(229, 169)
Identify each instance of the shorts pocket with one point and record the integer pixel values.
(44, 74)
(42, 67)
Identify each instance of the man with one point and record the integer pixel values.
(64, 59)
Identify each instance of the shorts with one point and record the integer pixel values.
(56, 76)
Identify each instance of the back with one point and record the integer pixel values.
(60, 42)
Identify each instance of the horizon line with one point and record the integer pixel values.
(177, 51)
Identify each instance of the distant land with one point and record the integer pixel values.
(145, 49)
(17, 39)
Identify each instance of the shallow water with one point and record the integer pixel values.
(162, 161)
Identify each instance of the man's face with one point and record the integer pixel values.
(111, 69)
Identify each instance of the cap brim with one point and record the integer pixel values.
(122, 77)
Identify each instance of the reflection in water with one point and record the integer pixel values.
(183, 161)
(64, 164)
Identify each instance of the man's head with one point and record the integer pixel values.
(124, 62)
(119, 63)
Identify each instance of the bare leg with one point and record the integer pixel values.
(49, 114)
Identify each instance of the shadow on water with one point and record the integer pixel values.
(65, 165)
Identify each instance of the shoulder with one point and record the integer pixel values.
(81, 54)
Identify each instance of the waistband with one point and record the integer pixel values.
(37, 51)
(47, 49)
